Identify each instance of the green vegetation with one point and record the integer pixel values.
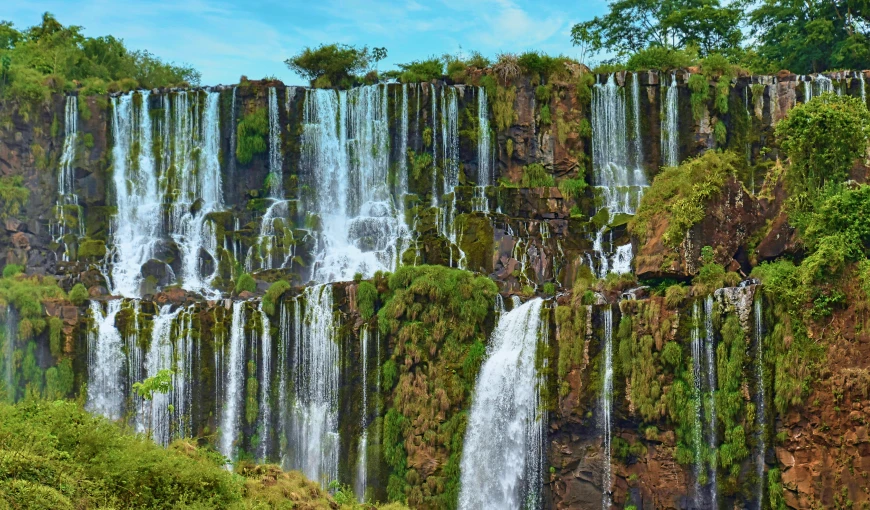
(245, 283)
(679, 195)
(13, 195)
(420, 71)
(330, 65)
(273, 294)
(367, 296)
(536, 175)
(252, 132)
(55, 455)
(78, 294)
(438, 319)
(49, 58)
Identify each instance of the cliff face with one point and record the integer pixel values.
(501, 179)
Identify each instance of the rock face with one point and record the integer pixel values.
(732, 217)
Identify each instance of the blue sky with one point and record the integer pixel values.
(225, 40)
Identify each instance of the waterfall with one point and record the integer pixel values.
(345, 147)
(105, 362)
(362, 459)
(314, 428)
(267, 250)
(163, 355)
(501, 457)
(863, 88)
(196, 157)
(265, 385)
(67, 198)
(10, 334)
(484, 153)
(710, 350)
(618, 174)
(697, 425)
(607, 406)
(276, 175)
(137, 223)
(434, 100)
(637, 143)
(450, 168)
(285, 331)
(761, 400)
(670, 125)
(402, 178)
(234, 380)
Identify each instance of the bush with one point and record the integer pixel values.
(420, 71)
(270, 299)
(10, 270)
(246, 283)
(535, 175)
(252, 132)
(680, 195)
(822, 140)
(366, 298)
(541, 64)
(78, 294)
(330, 64)
(662, 59)
(13, 195)
(572, 188)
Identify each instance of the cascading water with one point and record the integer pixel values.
(136, 226)
(362, 458)
(105, 362)
(710, 351)
(761, 400)
(67, 210)
(285, 332)
(345, 147)
(670, 125)
(402, 177)
(501, 457)
(276, 161)
(195, 156)
(264, 420)
(234, 379)
(450, 168)
(607, 406)
(484, 153)
(618, 174)
(314, 424)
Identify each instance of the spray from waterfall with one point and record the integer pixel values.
(501, 458)
(314, 427)
(607, 407)
(105, 362)
(234, 380)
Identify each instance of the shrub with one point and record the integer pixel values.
(251, 135)
(421, 70)
(10, 270)
(366, 298)
(680, 195)
(535, 175)
(822, 139)
(246, 283)
(270, 299)
(78, 294)
(13, 195)
(330, 64)
(661, 58)
(535, 62)
(674, 295)
(572, 188)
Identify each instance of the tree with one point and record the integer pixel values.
(161, 382)
(634, 25)
(330, 65)
(807, 36)
(378, 54)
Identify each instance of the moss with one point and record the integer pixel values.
(245, 283)
(92, 249)
(88, 140)
(13, 195)
(535, 175)
(251, 135)
(367, 296)
(679, 195)
(78, 294)
(572, 188)
(270, 299)
(55, 329)
(503, 107)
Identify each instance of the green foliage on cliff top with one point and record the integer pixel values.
(330, 65)
(49, 57)
(679, 195)
(822, 139)
(437, 319)
(270, 299)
